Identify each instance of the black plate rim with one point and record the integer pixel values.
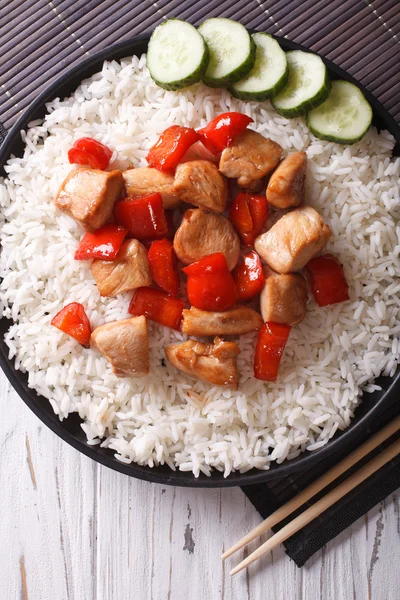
(33, 401)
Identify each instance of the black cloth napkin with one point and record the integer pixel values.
(300, 547)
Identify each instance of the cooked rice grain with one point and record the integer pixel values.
(332, 356)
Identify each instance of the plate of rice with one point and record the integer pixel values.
(340, 366)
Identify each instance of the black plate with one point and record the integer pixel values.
(69, 429)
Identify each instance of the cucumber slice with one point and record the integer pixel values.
(232, 51)
(344, 117)
(177, 55)
(308, 85)
(269, 74)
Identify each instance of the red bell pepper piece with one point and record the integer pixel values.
(208, 264)
(271, 343)
(73, 320)
(144, 217)
(171, 146)
(103, 243)
(157, 306)
(327, 280)
(249, 277)
(169, 215)
(163, 266)
(210, 285)
(219, 132)
(88, 151)
(249, 213)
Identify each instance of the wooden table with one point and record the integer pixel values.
(71, 529)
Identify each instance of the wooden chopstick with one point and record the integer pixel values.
(316, 486)
(322, 504)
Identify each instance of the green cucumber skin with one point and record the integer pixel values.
(302, 109)
(336, 137)
(237, 74)
(196, 76)
(332, 138)
(261, 96)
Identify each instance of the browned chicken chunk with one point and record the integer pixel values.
(128, 271)
(286, 185)
(214, 363)
(255, 186)
(125, 345)
(145, 181)
(201, 233)
(250, 157)
(296, 238)
(200, 183)
(235, 321)
(283, 298)
(89, 195)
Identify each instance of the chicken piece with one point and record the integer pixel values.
(286, 185)
(125, 345)
(255, 186)
(249, 157)
(283, 298)
(214, 363)
(129, 270)
(201, 233)
(89, 195)
(200, 183)
(296, 238)
(145, 181)
(235, 321)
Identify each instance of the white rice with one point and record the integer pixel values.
(332, 356)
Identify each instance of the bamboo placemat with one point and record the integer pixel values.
(40, 39)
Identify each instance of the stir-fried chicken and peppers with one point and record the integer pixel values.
(197, 269)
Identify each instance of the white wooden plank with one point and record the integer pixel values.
(312, 577)
(124, 516)
(192, 565)
(34, 511)
(383, 535)
(278, 574)
(76, 504)
(237, 517)
(223, 516)
(358, 556)
(10, 485)
(45, 509)
(336, 558)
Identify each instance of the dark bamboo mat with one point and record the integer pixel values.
(40, 39)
